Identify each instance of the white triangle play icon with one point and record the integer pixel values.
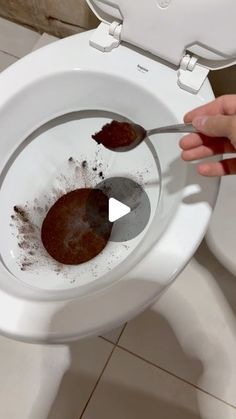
(117, 210)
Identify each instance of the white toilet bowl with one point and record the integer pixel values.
(51, 102)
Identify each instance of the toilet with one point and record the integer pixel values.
(51, 102)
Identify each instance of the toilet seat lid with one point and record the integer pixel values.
(169, 28)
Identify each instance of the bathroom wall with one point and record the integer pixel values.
(65, 17)
(224, 81)
(58, 17)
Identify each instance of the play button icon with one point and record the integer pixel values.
(117, 210)
(127, 209)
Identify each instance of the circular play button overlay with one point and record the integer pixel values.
(129, 207)
(117, 210)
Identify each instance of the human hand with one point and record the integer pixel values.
(216, 122)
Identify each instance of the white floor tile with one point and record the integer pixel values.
(16, 39)
(132, 389)
(49, 382)
(6, 60)
(190, 331)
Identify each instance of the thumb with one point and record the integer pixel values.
(217, 126)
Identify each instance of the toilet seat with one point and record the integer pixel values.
(195, 37)
(69, 76)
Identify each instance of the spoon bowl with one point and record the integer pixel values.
(124, 136)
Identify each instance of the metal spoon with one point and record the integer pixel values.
(142, 133)
(130, 135)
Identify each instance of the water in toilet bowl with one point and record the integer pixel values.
(54, 160)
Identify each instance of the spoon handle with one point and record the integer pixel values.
(172, 128)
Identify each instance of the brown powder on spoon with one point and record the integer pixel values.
(116, 134)
(76, 228)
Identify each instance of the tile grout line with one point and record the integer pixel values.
(107, 340)
(110, 341)
(102, 372)
(121, 333)
(8, 53)
(171, 373)
(153, 365)
(98, 380)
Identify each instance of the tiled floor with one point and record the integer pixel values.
(175, 361)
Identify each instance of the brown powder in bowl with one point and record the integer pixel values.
(77, 228)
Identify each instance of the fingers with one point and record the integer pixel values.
(201, 152)
(217, 126)
(216, 122)
(197, 147)
(191, 141)
(211, 108)
(221, 168)
(194, 140)
(224, 105)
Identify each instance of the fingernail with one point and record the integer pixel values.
(199, 122)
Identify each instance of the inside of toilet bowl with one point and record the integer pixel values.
(59, 156)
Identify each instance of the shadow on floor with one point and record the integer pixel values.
(223, 277)
(71, 391)
(75, 384)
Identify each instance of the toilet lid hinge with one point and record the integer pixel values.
(191, 74)
(106, 36)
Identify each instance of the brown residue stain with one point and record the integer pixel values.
(21, 213)
(26, 218)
